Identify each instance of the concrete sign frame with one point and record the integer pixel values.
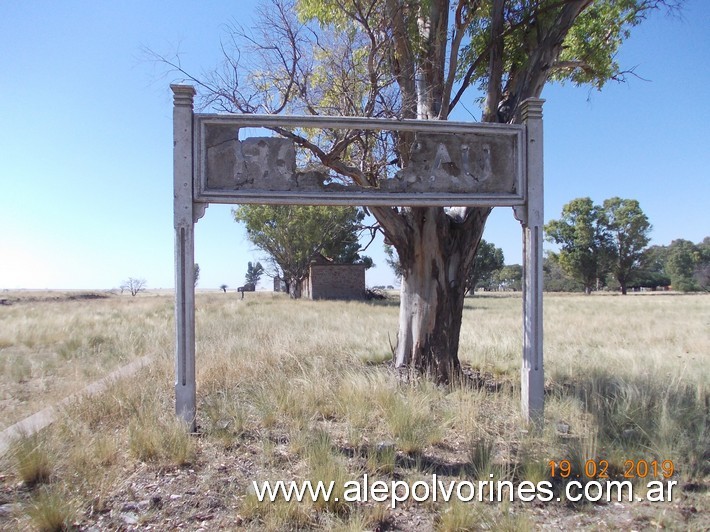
(510, 139)
(479, 164)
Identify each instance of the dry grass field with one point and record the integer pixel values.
(303, 390)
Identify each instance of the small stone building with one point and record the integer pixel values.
(328, 280)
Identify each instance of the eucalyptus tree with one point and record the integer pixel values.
(415, 59)
(586, 247)
(489, 261)
(628, 228)
(254, 273)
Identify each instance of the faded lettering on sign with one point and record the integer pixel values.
(467, 163)
(437, 162)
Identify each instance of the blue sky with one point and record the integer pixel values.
(86, 147)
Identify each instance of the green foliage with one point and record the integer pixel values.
(590, 44)
(292, 235)
(599, 240)
(489, 260)
(197, 273)
(509, 277)
(585, 246)
(652, 273)
(326, 12)
(702, 269)
(554, 277)
(628, 229)
(358, 57)
(589, 52)
(683, 265)
(683, 258)
(254, 273)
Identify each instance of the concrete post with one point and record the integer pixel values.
(532, 374)
(183, 209)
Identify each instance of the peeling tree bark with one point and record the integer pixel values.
(436, 253)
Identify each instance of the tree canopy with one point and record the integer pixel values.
(687, 264)
(510, 277)
(597, 240)
(683, 265)
(489, 260)
(585, 245)
(627, 227)
(254, 273)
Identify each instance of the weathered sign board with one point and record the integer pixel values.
(467, 164)
(449, 164)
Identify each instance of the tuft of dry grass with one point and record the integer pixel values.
(155, 439)
(32, 459)
(52, 511)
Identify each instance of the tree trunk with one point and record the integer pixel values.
(623, 282)
(436, 251)
(295, 288)
(435, 262)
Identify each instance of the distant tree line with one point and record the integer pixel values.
(685, 264)
(606, 247)
(681, 265)
(602, 247)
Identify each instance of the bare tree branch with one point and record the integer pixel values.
(464, 16)
(495, 63)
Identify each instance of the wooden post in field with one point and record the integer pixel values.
(532, 374)
(184, 213)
